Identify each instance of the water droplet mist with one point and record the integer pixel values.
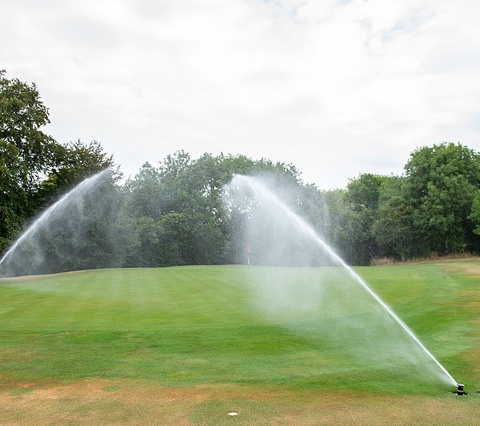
(335, 295)
(297, 279)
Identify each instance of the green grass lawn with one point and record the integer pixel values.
(280, 335)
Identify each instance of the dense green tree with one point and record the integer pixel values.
(13, 198)
(442, 181)
(362, 195)
(145, 193)
(336, 209)
(26, 153)
(85, 234)
(76, 162)
(175, 240)
(35, 169)
(22, 116)
(180, 214)
(393, 226)
(474, 215)
(147, 252)
(203, 182)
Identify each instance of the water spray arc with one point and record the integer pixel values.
(85, 185)
(263, 192)
(8, 262)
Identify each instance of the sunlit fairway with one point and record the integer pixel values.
(190, 344)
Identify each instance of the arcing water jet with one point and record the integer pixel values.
(267, 196)
(14, 264)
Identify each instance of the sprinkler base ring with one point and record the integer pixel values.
(460, 390)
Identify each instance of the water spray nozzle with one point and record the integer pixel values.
(460, 389)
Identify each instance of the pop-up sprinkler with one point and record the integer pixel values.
(460, 390)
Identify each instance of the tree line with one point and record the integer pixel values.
(173, 213)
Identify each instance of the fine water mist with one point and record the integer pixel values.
(300, 283)
(297, 280)
(60, 238)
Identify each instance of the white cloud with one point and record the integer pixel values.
(336, 88)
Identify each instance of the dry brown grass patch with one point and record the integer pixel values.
(125, 402)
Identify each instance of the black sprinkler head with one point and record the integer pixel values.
(460, 389)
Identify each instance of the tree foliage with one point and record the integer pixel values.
(22, 115)
(173, 213)
(35, 169)
(179, 212)
(393, 228)
(362, 196)
(441, 184)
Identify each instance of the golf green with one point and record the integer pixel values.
(295, 329)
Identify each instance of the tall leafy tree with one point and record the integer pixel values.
(34, 167)
(145, 193)
(362, 194)
(474, 217)
(13, 197)
(75, 162)
(26, 153)
(22, 116)
(442, 181)
(335, 213)
(179, 211)
(393, 226)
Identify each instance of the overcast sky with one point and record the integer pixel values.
(335, 87)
